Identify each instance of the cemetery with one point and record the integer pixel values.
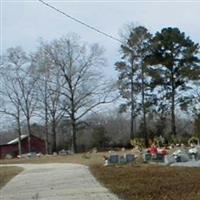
(153, 171)
(95, 108)
(172, 155)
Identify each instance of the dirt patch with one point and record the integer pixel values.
(146, 182)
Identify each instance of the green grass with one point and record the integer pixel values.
(147, 182)
(7, 173)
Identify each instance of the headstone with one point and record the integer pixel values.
(94, 150)
(181, 156)
(147, 157)
(55, 154)
(122, 160)
(184, 158)
(106, 163)
(198, 155)
(160, 157)
(8, 156)
(193, 153)
(69, 152)
(177, 155)
(62, 153)
(31, 155)
(22, 156)
(39, 154)
(169, 159)
(114, 159)
(123, 149)
(130, 158)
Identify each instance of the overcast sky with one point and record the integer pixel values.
(24, 22)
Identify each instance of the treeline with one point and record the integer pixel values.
(105, 130)
(61, 84)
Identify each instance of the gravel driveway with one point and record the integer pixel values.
(55, 182)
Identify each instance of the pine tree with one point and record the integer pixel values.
(132, 79)
(176, 63)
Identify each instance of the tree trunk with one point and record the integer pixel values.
(74, 145)
(144, 108)
(29, 134)
(73, 121)
(173, 120)
(19, 136)
(46, 135)
(54, 145)
(46, 121)
(132, 122)
(132, 101)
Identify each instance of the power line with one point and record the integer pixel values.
(81, 22)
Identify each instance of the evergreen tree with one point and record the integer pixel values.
(132, 75)
(176, 63)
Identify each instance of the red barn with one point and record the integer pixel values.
(11, 148)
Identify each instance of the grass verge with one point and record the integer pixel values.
(147, 182)
(7, 173)
(84, 158)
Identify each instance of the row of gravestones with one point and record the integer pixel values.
(63, 152)
(116, 159)
(168, 159)
(149, 157)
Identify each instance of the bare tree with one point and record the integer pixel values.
(10, 91)
(12, 99)
(55, 112)
(83, 88)
(42, 69)
(49, 96)
(23, 85)
(28, 101)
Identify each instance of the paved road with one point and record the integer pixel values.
(55, 182)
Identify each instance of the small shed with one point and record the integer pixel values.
(11, 148)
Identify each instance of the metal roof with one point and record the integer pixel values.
(16, 140)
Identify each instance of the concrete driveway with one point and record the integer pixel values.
(55, 182)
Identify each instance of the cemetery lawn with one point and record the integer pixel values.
(81, 158)
(150, 182)
(7, 173)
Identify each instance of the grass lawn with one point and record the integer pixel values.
(85, 159)
(7, 173)
(149, 182)
(79, 158)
